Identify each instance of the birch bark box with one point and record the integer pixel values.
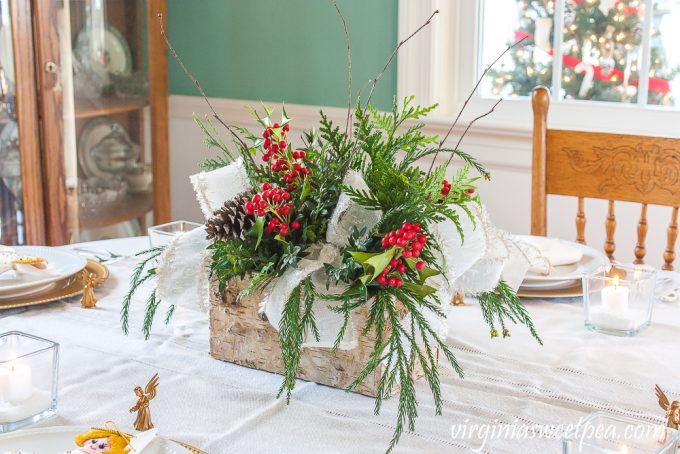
(240, 335)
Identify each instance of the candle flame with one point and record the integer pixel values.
(616, 281)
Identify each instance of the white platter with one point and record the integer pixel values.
(61, 264)
(591, 260)
(56, 440)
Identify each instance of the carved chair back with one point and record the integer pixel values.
(644, 170)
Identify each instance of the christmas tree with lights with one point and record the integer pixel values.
(600, 57)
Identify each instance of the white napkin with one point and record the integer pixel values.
(142, 440)
(557, 252)
(8, 258)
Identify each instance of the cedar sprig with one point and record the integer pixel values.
(502, 306)
(152, 304)
(296, 322)
(140, 275)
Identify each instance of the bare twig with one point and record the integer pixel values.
(468, 128)
(375, 80)
(197, 83)
(474, 89)
(394, 53)
(349, 67)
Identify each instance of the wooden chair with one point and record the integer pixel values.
(613, 167)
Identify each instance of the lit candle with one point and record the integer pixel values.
(615, 296)
(16, 382)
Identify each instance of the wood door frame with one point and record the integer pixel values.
(158, 99)
(51, 109)
(28, 121)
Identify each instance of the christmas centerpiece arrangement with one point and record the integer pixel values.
(345, 245)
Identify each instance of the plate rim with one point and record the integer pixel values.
(46, 279)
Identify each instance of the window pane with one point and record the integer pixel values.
(524, 67)
(601, 49)
(664, 65)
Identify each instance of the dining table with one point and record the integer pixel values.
(221, 407)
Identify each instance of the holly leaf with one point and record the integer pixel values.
(267, 109)
(277, 133)
(424, 273)
(306, 189)
(257, 230)
(373, 262)
(284, 116)
(422, 291)
(264, 121)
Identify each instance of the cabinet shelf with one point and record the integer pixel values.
(133, 206)
(97, 107)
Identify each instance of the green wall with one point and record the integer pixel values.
(276, 50)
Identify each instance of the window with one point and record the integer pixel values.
(620, 51)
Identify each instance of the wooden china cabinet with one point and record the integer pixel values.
(83, 120)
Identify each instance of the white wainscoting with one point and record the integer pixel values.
(504, 151)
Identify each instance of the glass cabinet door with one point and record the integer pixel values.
(20, 222)
(104, 109)
(12, 228)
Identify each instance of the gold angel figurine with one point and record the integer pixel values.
(672, 411)
(144, 396)
(90, 282)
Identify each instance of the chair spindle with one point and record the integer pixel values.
(672, 235)
(640, 250)
(610, 226)
(580, 223)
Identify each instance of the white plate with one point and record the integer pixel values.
(591, 260)
(54, 440)
(62, 263)
(91, 43)
(92, 134)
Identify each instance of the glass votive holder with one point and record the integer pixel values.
(160, 235)
(600, 433)
(29, 372)
(618, 298)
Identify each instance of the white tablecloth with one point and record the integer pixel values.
(224, 408)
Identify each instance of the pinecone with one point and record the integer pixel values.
(231, 221)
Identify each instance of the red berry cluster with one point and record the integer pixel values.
(390, 274)
(446, 189)
(283, 161)
(407, 239)
(274, 202)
